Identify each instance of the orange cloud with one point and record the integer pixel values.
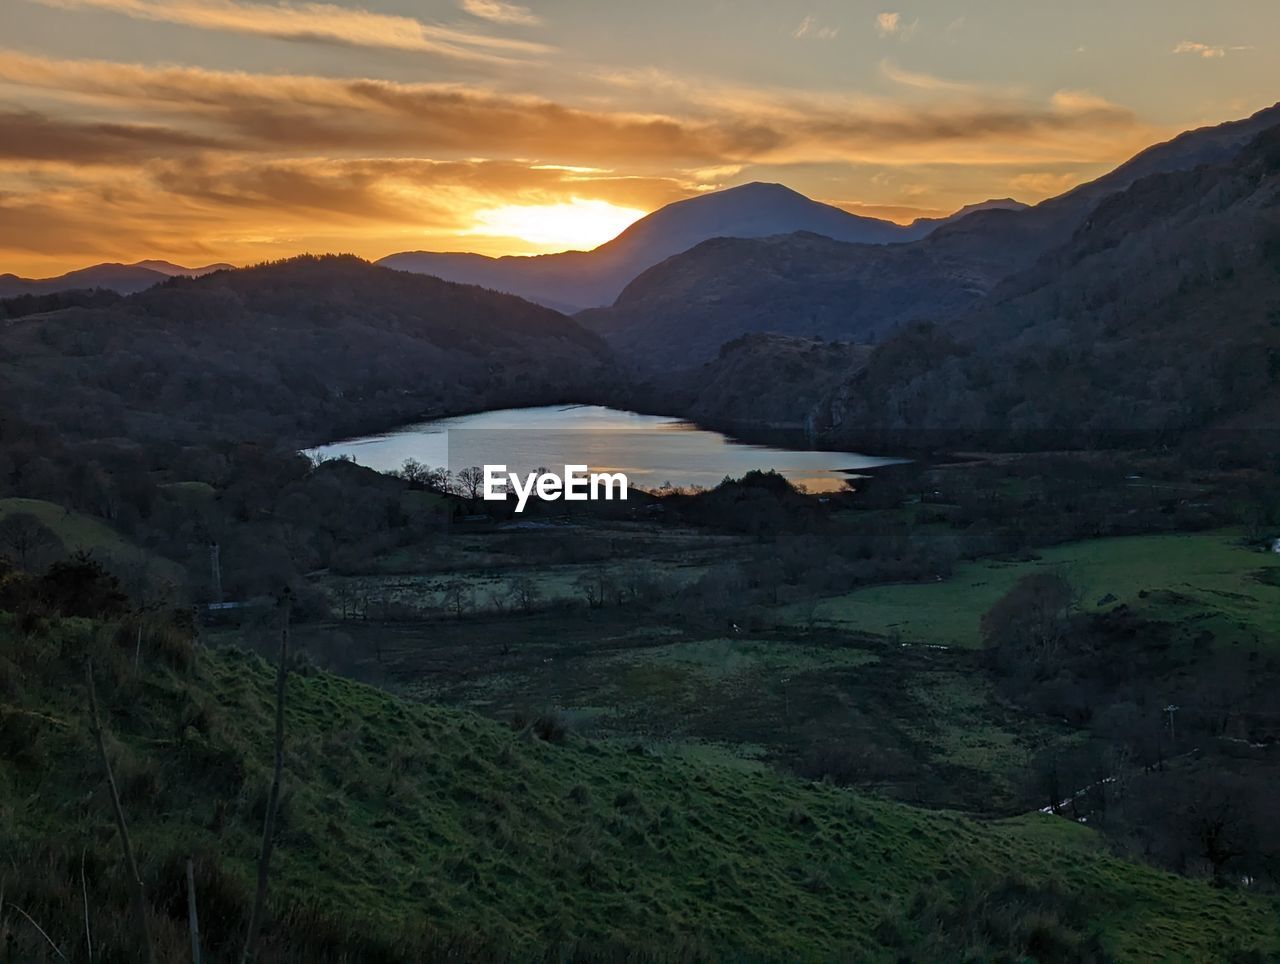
(500, 12)
(324, 22)
(189, 163)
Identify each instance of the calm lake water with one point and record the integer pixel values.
(651, 449)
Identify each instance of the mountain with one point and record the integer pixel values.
(925, 225)
(684, 308)
(121, 278)
(299, 351)
(1158, 317)
(591, 278)
(680, 312)
(172, 270)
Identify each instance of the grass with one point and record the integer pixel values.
(85, 533)
(400, 816)
(1207, 581)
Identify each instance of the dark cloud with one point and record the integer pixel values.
(28, 135)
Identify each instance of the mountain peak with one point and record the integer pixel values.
(758, 209)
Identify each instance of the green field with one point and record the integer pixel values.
(405, 825)
(85, 533)
(1205, 581)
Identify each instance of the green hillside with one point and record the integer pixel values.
(1206, 580)
(79, 532)
(407, 826)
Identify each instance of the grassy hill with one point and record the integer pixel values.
(80, 532)
(1206, 580)
(410, 830)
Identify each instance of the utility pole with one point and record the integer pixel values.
(215, 573)
(1171, 709)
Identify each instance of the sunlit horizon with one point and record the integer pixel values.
(252, 130)
(578, 225)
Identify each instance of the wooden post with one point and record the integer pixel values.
(193, 919)
(84, 892)
(273, 798)
(131, 866)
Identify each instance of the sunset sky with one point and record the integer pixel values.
(243, 130)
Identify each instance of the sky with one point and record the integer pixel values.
(250, 130)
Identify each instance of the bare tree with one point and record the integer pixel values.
(456, 597)
(131, 867)
(27, 540)
(413, 472)
(524, 593)
(469, 483)
(273, 798)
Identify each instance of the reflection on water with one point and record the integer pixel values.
(652, 449)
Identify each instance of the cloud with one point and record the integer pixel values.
(245, 209)
(292, 112)
(499, 12)
(920, 81)
(31, 136)
(810, 28)
(892, 25)
(707, 125)
(1043, 184)
(1206, 51)
(252, 166)
(316, 22)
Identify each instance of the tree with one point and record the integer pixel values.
(457, 597)
(414, 472)
(27, 540)
(524, 593)
(1031, 621)
(469, 483)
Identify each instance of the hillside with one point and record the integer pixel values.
(298, 350)
(410, 829)
(121, 278)
(591, 278)
(680, 312)
(691, 303)
(1105, 340)
(764, 381)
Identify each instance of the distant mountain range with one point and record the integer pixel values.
(683, 309)
(574, 280)
(122, 278)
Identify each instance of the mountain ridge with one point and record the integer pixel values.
(681, 310)
(125, 279)
(573, 280)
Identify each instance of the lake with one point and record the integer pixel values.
(652, 449)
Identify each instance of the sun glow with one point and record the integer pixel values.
(579, 224)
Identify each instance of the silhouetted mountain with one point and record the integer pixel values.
(925, 225)
(122, 278)
(590, 278)
(301, 350)
(684, 308)
(170, 269)
(1160, 315)
(680, 312)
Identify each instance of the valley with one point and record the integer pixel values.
(1004, 682)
